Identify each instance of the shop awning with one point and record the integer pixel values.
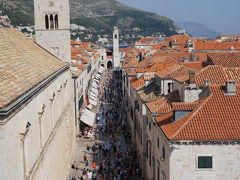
(93, 98)
(95, 86)
(98, 76)
(94, 90)
(93, 102)
(92, 94)
(88, 117)
(96, 80)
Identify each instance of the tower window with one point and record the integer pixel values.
(56, 21)
(46, 22)
(51, 22)
(115, 36)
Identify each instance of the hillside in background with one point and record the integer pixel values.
(198, 30)
(99, 17)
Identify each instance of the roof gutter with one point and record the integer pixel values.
(6, 111)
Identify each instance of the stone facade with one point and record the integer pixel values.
(52, 26)
(116, 57)
(45, 148)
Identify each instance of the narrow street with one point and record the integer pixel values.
(111, 148)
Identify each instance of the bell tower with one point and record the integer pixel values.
(116, 58)
(52, 27)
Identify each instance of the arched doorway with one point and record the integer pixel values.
(109, 64)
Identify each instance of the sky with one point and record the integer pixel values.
(222, 16)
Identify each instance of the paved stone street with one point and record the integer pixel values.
(115, 157)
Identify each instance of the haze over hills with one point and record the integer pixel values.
(198, 30)
(99, 17)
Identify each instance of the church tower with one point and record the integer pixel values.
(116, 58)
(52, 27)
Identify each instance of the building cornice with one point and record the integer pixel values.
(9, 109)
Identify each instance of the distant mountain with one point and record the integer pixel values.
(100, 16)
(197, 30)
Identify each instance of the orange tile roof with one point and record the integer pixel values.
(194, 65)
(159, 106)
(145, 40)
(217, 75)
(139, 82)
(163, 104)
(226, 59)
(214, 45)
(202, 56)
(217, 118)
(156, 67)
(184, 106)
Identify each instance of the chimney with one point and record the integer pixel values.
(206, 82)
(231, 86)
(191, 76)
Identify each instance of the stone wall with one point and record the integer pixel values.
(225, 161)
(47, 147)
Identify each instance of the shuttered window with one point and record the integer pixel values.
(204, 162)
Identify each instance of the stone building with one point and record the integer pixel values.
(37, 129)
(52, 26)
(186, 132)
(116, 57)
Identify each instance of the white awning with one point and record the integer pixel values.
(96, 80)
(93, 102)
(95, 86)
(88, 117)
(98, 75)
(93, 94)
(94, 90)
(90, 106)
(93, 98)
(100, 71)
(101, 68)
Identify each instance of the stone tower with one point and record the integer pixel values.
(116, 58)
(52, 26)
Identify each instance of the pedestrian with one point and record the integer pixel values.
(89, 175)
(88, 147)
(94, 176)
(86, 163)
(85, 157)
(74, 178)
(93, 165)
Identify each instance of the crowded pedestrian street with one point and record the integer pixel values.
(105, 151)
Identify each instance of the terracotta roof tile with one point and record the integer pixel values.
(226, 59)
(214, 45)
(216, 118)
(139, 82)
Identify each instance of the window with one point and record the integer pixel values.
(158, 142)
(115, 36)
(204, 162)
(56, 21)
(150, 128)
(146, 120)
(46, 22)
(163, 153)
(169, 87)
(158, 174)
(51, 22)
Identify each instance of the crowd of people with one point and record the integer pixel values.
(113, 151)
